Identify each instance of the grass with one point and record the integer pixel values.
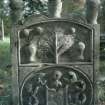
(4, 53)
(5, 73)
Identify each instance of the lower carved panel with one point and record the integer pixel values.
(56, 85)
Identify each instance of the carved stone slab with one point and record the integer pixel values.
(57, 85)
(54, 62)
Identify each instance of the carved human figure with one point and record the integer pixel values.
(66, 41)
(55, 90)
(76, 88)
(55, 8)
(54, 82)
(27, 94)
(76, 93)
(31, 46)
(72, 77)
(37, 87)
(81, 46)
(69, 47)
(80, 87)
(69, 78)
(92, 11)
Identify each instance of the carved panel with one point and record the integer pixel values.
(56, 42)
(57, 85)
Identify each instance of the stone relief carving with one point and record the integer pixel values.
(55, 44)
(39, 47)
(66, 42)
(59, 86)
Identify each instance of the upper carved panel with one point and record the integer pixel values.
(57, 42)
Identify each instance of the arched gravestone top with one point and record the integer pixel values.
(60, 37)
(33, 19)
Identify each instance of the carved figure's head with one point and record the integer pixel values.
(72, 76)
(57, 75)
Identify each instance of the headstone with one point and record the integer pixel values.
(54, 61)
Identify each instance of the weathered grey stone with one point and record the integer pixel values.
(62, 79)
